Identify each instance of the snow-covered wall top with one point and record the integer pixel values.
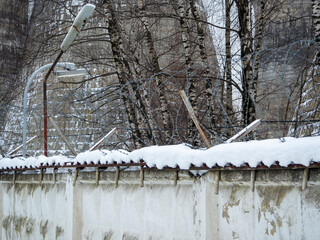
(302, 151)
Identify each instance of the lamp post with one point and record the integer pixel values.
(70, 67)
(76, 27)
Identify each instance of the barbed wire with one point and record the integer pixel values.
(96, 125)
(87, 109)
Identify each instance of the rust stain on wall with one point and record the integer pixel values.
(226, 206)
(232, 202)
(272, 197)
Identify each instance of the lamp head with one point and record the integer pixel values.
(71, 73)
(79, 22)
(69, 66)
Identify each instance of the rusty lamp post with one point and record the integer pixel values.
(76, 27)
(70, 70)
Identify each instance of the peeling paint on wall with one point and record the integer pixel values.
(159, 210)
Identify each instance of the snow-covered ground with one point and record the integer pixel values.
(291, 151)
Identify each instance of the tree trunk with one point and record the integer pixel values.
(228, 74)
(142, 117)
(204, 59)
(156, 70)
(259, 41)
(249, 91)
(183, 12)
(123, 72)
(146, 111)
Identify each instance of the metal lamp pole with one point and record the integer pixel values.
(76, 27)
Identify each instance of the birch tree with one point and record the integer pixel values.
(228, 67)
(123, 72)
(249, 85)
(183, 10)
(156, 71)
(203, 55)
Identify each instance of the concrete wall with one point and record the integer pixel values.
(276, 209)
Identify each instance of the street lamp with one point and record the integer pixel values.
(70, 67)
(76, 27)
(70, 73)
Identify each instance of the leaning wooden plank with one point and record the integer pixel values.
(20, 147)
(194, 118)
(62, 136)
(102, 139)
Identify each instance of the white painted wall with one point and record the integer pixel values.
(159, 210)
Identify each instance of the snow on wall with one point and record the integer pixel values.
(289, 151)
(79, 208)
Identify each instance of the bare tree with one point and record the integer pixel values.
(228, 67)
(246, 42)
(124, 73)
